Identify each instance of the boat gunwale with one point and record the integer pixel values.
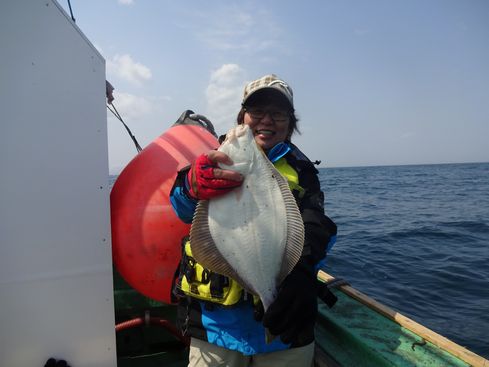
(429, 335)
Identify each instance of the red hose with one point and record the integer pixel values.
(154, 321)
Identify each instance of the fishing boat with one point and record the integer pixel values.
(60, 294)
(357, 331)
(360, 331)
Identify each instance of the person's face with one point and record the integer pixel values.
(269, 124)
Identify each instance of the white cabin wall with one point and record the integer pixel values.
(56, 292)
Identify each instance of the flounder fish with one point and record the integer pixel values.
(255, 233)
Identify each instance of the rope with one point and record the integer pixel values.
(118, 116)
(71, 12)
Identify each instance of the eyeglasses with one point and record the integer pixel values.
(259, 113)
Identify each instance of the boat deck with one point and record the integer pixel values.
(357, 331)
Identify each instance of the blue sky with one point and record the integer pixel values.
(375, 82)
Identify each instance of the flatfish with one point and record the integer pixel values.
(255, 233)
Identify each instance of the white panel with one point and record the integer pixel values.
(56, 296)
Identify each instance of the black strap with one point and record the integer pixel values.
(205, 276)
(217, 285)
(188, 267)
(326, 295)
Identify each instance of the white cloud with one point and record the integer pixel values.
(138, 108)
(132, 107)
(224, 94)
(232, 28)
(126, 2)
(124, 67)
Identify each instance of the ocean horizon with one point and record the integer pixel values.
(115, 171)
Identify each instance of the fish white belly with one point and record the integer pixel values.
(249, 228)
(253, 234)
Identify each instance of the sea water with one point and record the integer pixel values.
(416, 238)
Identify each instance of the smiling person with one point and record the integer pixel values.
(225, 323)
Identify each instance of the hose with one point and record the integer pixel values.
(153, 321)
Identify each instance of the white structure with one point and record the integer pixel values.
(56, 293)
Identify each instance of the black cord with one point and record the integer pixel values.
(118, 116)
(71, 12)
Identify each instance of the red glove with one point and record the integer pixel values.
(207, 180)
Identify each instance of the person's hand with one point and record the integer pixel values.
(295, 307)
(207, 180)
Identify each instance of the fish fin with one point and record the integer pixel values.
(295, 226)
(205, 251)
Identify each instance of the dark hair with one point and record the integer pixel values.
(292, 122)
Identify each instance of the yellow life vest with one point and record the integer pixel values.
(201, 283)
(291, 175)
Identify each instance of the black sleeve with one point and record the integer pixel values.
(319, 228)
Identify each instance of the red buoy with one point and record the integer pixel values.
(146, 233)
